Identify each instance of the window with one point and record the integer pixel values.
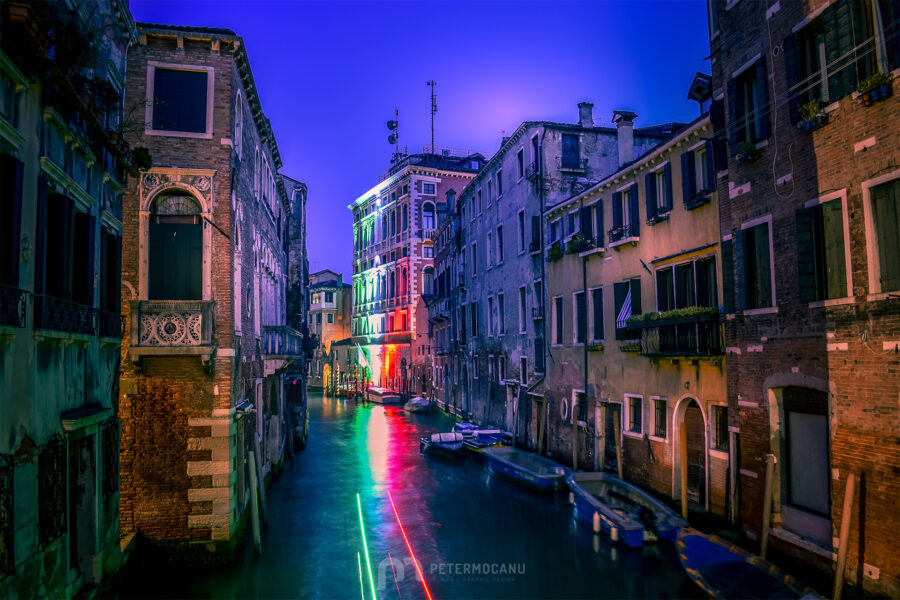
(499, 182)
(571, 152)
(713, 18)
(720, 427)
(627, 297)
(490, 315)
(428, 281)
(539, 297)
(659, 417)
(520, 163)
(474, 259)
(756, 275)
(473, 312)
(748, 100)
(820, 251)
(501, 317)
(597, 333)
(702, 173)
(558, 320)
(523, 370)
(698, 175)
(11, 181)
(473, 208)
(9, 99)
(523, 318)
(179, 101)
(489, 191)
(238, 141)
(626, 218)
(635, 414)
(579, 323)
(499, 244)
(405, 216)
(175, 249)
(521, 231)
(885, 222)
(428, 251)
(428, 189)
(555, 230)
(665, 290)
(329, 296)
(330, 319)
(490, 248)
(318, 318)
(573, 223)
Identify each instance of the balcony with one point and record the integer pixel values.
(282, 345)
(61, 315)
(112, 325)
(683, 336)
(12, 306)
(623, 234)
(172, 328)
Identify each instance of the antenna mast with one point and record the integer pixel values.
(431, 84)
(394, 138)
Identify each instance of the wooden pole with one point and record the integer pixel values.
(618, 441)
(264, 508)
(682, 436)
(574, 432)
(289, 420)
(767, 505)
(732, 478)
(541, 426)
(254, 506)
(844, 544)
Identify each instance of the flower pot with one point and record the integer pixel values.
(821, 120)
(875, 94)
(866, 99)
(886, 91)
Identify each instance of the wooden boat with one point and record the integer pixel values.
(487, 438)
(448, 444)
(526, 467)
(381, 395)
(724, 570)
(417, 405)
(623, 511)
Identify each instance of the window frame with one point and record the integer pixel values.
(152, 65)
(653, 432)
(764, 220)
(558, 331)
(874, 262)
(591, 321)
(626, 416)
(848, 268)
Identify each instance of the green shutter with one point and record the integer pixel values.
(735, 111)
(668, 198)
(635, 211)
(761, 98)
(806, 268)
(650, 195)
(727, 277)
(793, 66)
(740, 269)
(688, 183)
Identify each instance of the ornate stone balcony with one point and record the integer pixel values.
(282, 345)
(172, 328)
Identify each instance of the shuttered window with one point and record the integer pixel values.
(886, 219)
(179, 100)
(822, 272)
(597, 333)
(754, 267)
(580, 321)
(748, 105)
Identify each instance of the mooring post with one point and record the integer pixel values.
(541, 426)
(682, 437)
(264, 508)
(767, 505)
(845, 536)
(254, 505)
(574, 433)
(616, 428)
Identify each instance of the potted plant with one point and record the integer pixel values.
(616, 233)
(812, 115)
(576, 244)
(864, 89)
(880, 85)
(746, 152)
(555, 252)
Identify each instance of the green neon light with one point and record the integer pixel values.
(362, 590)
(366, 548)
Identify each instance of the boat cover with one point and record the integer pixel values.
(446, 438)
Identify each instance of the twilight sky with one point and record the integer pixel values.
(330, 74)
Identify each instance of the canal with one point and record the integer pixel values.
(475, 534)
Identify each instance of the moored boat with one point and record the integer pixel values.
(467, 429)
(526, 467)
(417, 405)
(623, 511)
(380, 395)
(487, 438)
(448, 444)
(724, 570)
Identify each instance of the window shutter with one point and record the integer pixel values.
(806, 275)
(792, 68)
(762, 98)
(650, 189)
(717, 117)
(739, 269)
(688, 185)
(105, 264)
(636, 297)
(710, 165)
(535, 228)
(635, 211)
(721, 154)
(598, 225)
(844, 24)
(735, 108)
(40, 238)
(11, 175)
(668, 198)
(727, 277)
(586, 226)
(620, 291)
(67, 280)
(617, 209)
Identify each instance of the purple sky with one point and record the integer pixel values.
(330, 74)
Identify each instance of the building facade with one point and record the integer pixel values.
(63, 166)
(393, 264)
(811, 267)
(205, 254)
(635, 338)
(330, 310)
(499, 284)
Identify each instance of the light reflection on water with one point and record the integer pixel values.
(475, 535)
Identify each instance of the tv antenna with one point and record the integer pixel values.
(431, 84)
(394, 138)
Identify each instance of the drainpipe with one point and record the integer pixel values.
(544, 283)
(584, 260)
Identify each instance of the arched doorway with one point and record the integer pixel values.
(176, 248)
(689, 413)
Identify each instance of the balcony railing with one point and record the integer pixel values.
(59, 314)
(622, 232)
(684, 336)
(172, 323)
(281, 341)
(112, 324)
(12, 306)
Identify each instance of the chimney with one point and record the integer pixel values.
(624, 121)
(451, 200)
(503, 140)
(586, 114)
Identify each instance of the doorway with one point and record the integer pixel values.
(691, 415)
(613, 416)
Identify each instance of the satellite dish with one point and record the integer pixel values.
(392, 125)
(392, 139)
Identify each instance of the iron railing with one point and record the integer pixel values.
(59, 314)
(622, 232)
(12, 306)
(112, 324)
(693, 335)
(281, 340)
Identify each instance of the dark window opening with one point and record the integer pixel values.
(179, 100)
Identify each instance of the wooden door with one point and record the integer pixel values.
(696, 454)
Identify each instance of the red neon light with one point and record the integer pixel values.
(408, 547)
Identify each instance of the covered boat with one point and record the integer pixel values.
(487, 438)
(381, 395)
(623, 511)
(467, 429)
(724, 570)
(450, 443)
(526, 467)
(417, 405)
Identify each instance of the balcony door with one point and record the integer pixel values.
(176, 249)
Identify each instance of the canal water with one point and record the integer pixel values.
(474, 534)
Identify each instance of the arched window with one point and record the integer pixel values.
(428, 215)
(176, 248)
(238, 141)
(428, 281)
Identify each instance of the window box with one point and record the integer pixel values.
(876, 88)
(658, 218)
(699, 199)
(631, 346)
(577, 244)
(621, 234)
(595, 347)
(812, 116)
(555, 252)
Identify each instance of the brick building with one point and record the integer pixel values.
(62, 169)
(393, 261)
(205, 262)
(811, 273)
(330, 308)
